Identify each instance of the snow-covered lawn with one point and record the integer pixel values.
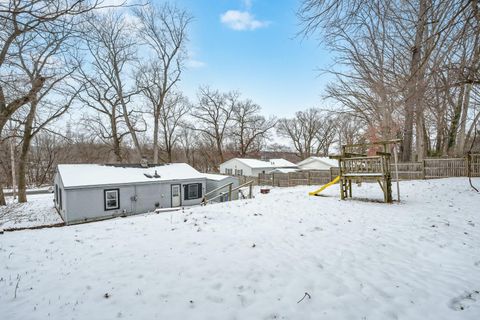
(256, 259)
(38, 211)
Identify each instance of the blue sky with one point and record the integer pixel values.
(250, 46)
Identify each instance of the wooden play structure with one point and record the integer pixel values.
(357, 167)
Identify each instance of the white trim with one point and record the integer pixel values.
(116, 206)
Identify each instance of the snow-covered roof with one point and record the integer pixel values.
(216, 177)
(282, 163)
(83, 175)
(325, 160)
(273, 163)
(254, 163)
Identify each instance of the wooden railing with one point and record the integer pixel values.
(231, 190)
(364, 165)
(206, 198)
(250, 188)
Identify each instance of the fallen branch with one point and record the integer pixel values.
(305, 295)
(16, 287)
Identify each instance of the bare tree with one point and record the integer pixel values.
(112, 51)
(189, 141)
(175, 107)
(104, 119)
(213, 115)
(164, 30)
(401, 63)
(249, 127)
(48, 54)
(303, 131)
(18, 19)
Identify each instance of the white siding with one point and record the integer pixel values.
(314, 165)
(234, 164)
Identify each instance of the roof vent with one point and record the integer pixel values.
(156, 175)
(148, 175)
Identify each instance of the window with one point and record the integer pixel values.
(192, 191)
(229, 171)
(239, 172)
(112, 199)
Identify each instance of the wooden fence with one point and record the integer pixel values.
(427, 169)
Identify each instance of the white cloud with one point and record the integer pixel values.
(242, 20)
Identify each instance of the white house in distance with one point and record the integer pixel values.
(317, 163)
(86, 192)
(252, 167)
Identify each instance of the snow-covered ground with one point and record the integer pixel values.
(38, 211)
(256, 259)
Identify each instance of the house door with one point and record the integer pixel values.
(176, 198)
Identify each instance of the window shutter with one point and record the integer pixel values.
(200, 190)
(185, 192)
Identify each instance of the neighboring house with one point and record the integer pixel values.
(252, 167)
(85, 192)
(317, 163)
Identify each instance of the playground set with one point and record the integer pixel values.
(358, 167)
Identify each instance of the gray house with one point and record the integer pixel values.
(86, 192)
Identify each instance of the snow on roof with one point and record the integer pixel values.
(254, 163)
(272, 163)
(83, 175)
(326, 160)
(282, 163)
(216, 177)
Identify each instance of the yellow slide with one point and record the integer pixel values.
(331, 183)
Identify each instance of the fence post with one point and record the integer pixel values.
(273, 179)
(230, 192)
(308, 178)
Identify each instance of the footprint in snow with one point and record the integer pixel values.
(465, 300)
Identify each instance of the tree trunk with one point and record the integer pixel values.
(130, 127)
(117, 151)
(219, 148)
(155, 139)
(23, 158)
(2, 196)
(420, 132)
(460, 145)
(413, 90)
(452, 134)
